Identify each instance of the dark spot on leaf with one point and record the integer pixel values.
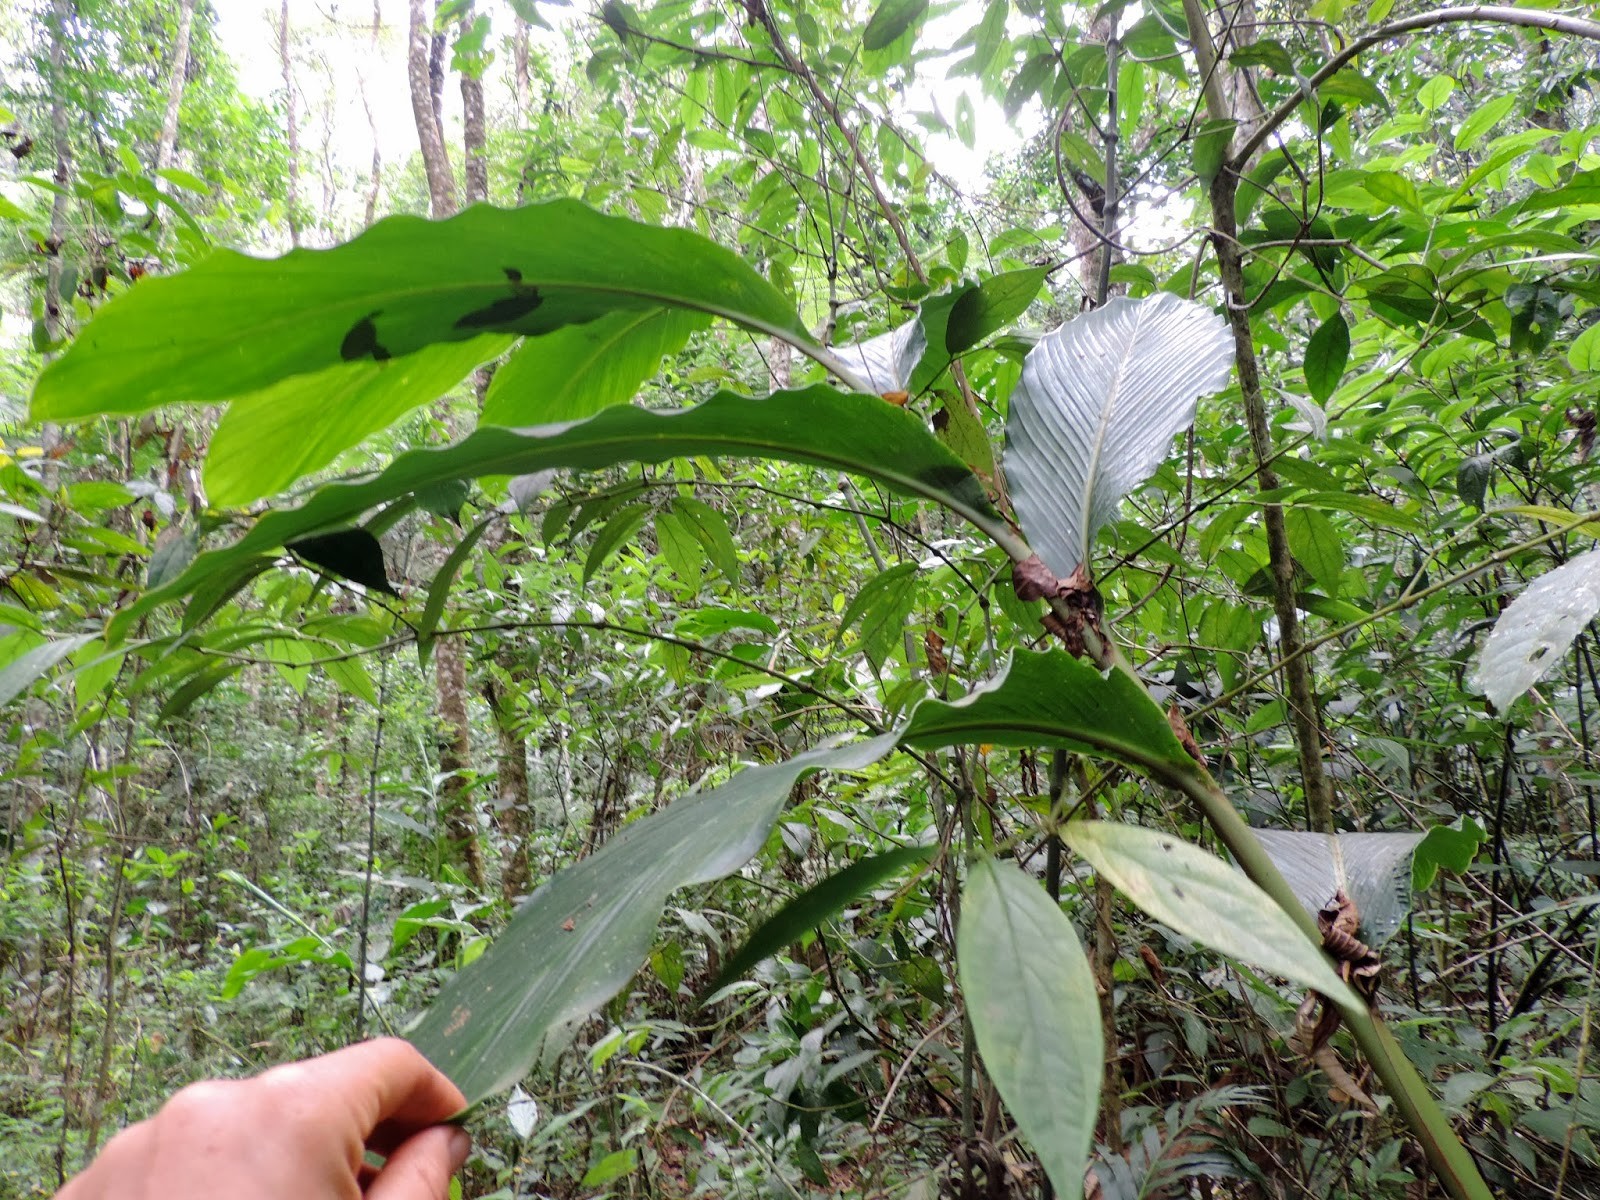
(514, 275)
(1178, 892)
(507, 310)
(352, 554)
(362, 341)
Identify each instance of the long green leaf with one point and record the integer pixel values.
(1031, 996)
(582, 936)
(817, 426)
(235, 324)
(815, 905)
(1204, 898)
(1053, 699)
(19, 674)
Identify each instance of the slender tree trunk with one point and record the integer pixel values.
(376, 184)
(511, 793)
(291, 119)
(175, 85)
(430, 130)
(1305, 713)
(449, 660)
(55, 304)
(521, 85)
(474, 134)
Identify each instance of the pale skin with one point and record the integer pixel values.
(296, 1132)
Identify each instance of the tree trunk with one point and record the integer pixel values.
(1305, 713)
(376, 184)
(511, 793)
(430, 131)
(474, 135)
(521, 85)
(291, 120)
(175, 84)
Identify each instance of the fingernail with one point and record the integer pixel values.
(460, 1147)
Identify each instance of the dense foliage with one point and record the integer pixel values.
(765, 650)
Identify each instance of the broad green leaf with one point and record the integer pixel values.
(1053, 699)
(19, 674)
(679, 546)
(1031, 997)
(817, 426)
(1454, 846)
(815, 905)
(1534, 632)
(711, 620)
(990, 307)
(1204, 898)
(1584, 353)
(234, 324)
(1212, 141)
(573, 373)
(1326, 355)
(582, 935)
(352, 677)
(1096, 410)
(269, 439)
(886, 362)
(1315, 545)
(1391, 188)
(1372, 869)
(889, 20)
(1482, 119)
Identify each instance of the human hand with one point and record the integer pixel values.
(296, 1132)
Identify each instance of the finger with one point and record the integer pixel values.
(421, 1168)
(382, 1081)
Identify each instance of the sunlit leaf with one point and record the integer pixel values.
(1031, 996)
(1534, 633)
(1204, 898)
(1096, 410)
(235, 324)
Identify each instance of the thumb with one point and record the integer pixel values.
(421, 1167)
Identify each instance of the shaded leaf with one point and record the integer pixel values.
(815, 905)
(1096, 410)
(1533, 634)
(1031, 997)
(817, 426)
(1053, 699)
(889, 20)
(174, 550)
(1372, 869)
(439, 589)
(1204, 898)
(581, 936)
(352, 554)
(1326, 355)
